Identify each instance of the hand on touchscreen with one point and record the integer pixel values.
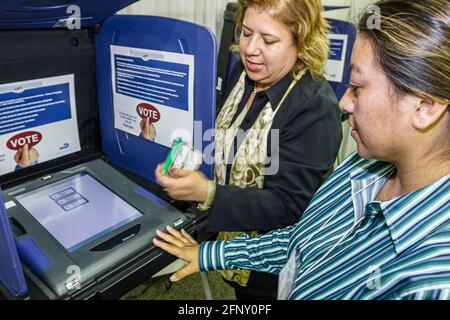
(181, 245)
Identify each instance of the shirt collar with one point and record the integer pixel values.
(415, 215)
(431, 202)
(367, 180)
(275, 93)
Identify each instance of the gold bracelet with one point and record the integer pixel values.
(210, 194)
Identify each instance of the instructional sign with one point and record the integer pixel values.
(153, 93)
(37, 122)
(334, 69)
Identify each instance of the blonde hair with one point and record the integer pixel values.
(310, 30)
(412, 46)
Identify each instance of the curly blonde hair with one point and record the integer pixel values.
(310, 30)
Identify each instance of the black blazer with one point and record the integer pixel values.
(310, 135)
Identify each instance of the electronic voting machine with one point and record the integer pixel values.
(90, 102)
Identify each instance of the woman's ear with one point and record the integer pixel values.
(427, 113)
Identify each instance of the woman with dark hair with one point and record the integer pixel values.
(276, 136)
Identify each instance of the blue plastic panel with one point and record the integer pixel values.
(154, 33)
(40, 14)
(11, 273)
(32, 255)
(346, 28)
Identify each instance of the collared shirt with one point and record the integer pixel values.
(309, 127)
(348, 246)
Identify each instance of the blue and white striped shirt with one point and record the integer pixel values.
(348, 246)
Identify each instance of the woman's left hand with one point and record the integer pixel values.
(180, 184)
(181, 245)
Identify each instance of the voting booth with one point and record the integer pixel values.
(90, 103)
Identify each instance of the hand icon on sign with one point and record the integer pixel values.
(148, 129)
(26, 157)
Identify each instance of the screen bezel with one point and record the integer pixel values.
(55, 178)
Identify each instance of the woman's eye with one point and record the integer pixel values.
(246, 34)
(269, 41)
(353, 88)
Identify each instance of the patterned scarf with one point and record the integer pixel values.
(250, 159)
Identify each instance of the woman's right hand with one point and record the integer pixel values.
(182, 184)
(181, 245)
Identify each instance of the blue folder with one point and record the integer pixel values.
(11, 273)
(46, 14)
(163, 34)
(345, 28)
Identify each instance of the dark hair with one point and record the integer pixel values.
(412, 45)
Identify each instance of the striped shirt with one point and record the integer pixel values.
(349, 246)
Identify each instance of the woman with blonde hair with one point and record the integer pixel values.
(277, 135)
(379, 227)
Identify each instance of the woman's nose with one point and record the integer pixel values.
(346, 102)
(252, 46)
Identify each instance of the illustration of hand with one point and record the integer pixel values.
(26, 157)
(148, 129)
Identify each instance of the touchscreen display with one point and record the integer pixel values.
(77, 210)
